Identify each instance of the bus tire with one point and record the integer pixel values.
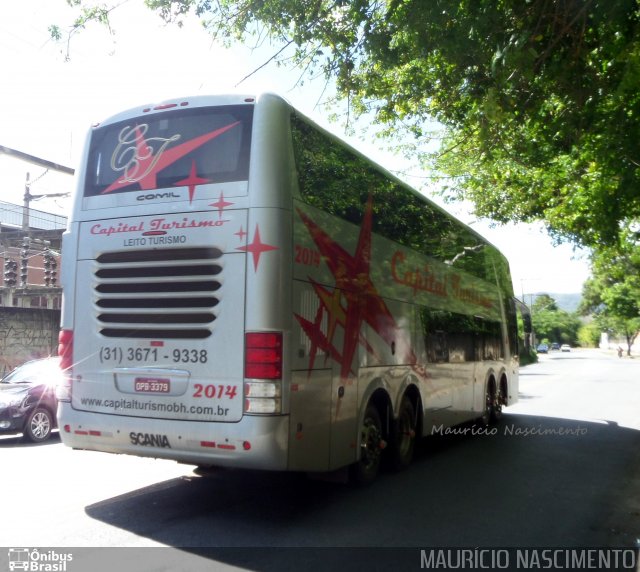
(366, 469)
(404, 436)
(496, 409)
(487, 412)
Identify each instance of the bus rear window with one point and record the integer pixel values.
(170, 149)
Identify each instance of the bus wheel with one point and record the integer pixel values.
(371, 446)
(487, 412)
(404, 438)
(496, 408)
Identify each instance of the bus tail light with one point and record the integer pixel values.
(263, 373)
(65, 351)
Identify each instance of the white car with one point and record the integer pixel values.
(565, 348)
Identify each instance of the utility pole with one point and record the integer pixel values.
(28, 197)
(25, 204)
(48, 165)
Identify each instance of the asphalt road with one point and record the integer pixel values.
(562, 469)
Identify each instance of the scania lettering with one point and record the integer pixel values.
(147, 440)
(244, 289)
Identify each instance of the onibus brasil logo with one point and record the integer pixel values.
(35, 560)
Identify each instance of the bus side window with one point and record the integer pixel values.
(456, 338)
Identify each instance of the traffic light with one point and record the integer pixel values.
(10, 272)
(24, 263)
(50, 266)
(54, 266)
(47, 266)
(24, 272)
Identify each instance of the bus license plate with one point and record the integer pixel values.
(152, 385)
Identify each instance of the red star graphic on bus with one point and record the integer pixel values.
(192, 181)
(331, 304)
(220, 204)
(257, 248)
(354, 301)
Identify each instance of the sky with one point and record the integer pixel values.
(48, 103)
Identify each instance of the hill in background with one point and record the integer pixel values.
(566, 302)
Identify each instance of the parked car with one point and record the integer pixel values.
(28, 399)
(555, 346)
(542, 349)
(565, 348)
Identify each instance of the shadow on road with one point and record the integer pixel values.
(529, 481)
(20, 441)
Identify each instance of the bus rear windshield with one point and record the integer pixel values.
(173, 148)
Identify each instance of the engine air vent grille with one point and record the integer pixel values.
(154, 294)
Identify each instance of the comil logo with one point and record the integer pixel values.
(37, 561)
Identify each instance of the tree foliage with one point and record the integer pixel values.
(539, 99)
(612, 294)
(589, 335)
(551, 324)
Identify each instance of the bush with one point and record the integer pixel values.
(528, 356)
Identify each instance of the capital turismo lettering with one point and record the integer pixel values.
(166, 224)
(417, 278)
(426, 278)
(156, 224)
(116, 229)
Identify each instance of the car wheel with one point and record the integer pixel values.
(38, 426)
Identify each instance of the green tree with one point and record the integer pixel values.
(539, 99)
(612, 294)
(589, 335)
(551, 324)
(544, 302)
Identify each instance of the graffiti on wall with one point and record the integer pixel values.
(26, 334)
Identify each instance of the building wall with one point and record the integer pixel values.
(27, 333)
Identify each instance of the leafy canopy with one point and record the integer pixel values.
(539, 99)
(612, 294)
(551, 324)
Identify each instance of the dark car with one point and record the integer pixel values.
(555, 346)
(543, 349)
(28, 399)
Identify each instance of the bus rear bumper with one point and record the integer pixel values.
(255, 442)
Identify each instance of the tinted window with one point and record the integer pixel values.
(451, 337)
(333, 178)
(210, 145)
(336, 180)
